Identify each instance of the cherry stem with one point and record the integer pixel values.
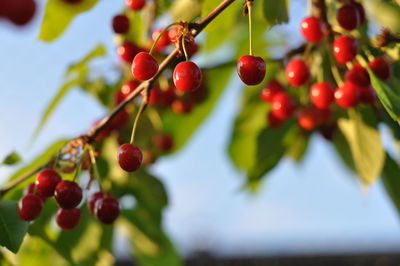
(94, 165)
(159, 36)
(139, 113)
(249, 6)
(184, 48)
(79, 166)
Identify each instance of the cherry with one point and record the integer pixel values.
(380, 67)
(270, 90)
(347, 95)
(325, 115)
(127, 51)
(135, 4)
(120, 24)
(282, 105)
(163, 141)
(68, 219)
(358, 75)
(187, 76)
(126, 89)
(348, 17)
(29, 189)
(361, 13)
(164, 40)
(297, 72)
(321, 94)
(29, 207)
(344, 49)
(367, 95)
(192, 48)
(144, 66)
(251, 69)
(308, 118)
(311, 28)
(46, 182)
(129, 157)
(180, 106)
(273, 121)
(68, 194)
(92, 200)
(118, 121)
(20, 12)
(107, 209)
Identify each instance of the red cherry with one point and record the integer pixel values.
(164, 40)
(308, 118)
(127, 51)
(107, 209)
(46, 182)
(321, 94)
(120, 24)
(192, 48)
(68, 219)
(282, 105)
(187, 76)
(144, 66)
(270, 90)
(311, 27)
(347, 95)
(20, 12)
(163, 141)
(297, 72)
(135, 4)
(118, 121)
(348, 17)
(325, 115)
(126, 89)
(129, 157)
(358, 75)
(367, 95)
(92, 200)
(344, 49)
(273, 121)
(29, 207)
(380, 67)
(68, 194)
(29, 189)
(251, 69)
(361, 12)
(180, 106)
(174, 34)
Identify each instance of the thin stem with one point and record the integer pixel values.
(249, 6)
(159, 36)
(184, 49)
(139, 113)
(94, 165)
(79, 166)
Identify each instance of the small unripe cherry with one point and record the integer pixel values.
(120, 24)
(127, 51)
(283, 105)
(129, 157)
(68, 194)
(321, 94)
(348, 17)
(347, 95)
(163, 141)
(380, 67)
(135, 4)
(107, 209)
(126, 89)
(46, 182)
(273, 121)
(251, 69)
(308, 118)
(187, 76)
(311, 28)
(344, 49)
(29, 207)
(297, 72)
(68, 219)
(358, 75)
(270, 90)
(144, 66)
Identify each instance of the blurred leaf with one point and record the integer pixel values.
(391, 180)
(11, 159)
(365, 145)
(276, 12)
(185, 9)
(12, 228)
(343, 150)
(386, 12)
(298, 148)
(58, 15)
(138, 26)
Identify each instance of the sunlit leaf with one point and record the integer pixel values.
(276, 12)
(11, 158)
(12, 228)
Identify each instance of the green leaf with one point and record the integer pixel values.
(58, 15)
(185, 9)
(11, 159)
(12, 228)
(391, 180)
(365, 145)
(276, 12)
(386, 12)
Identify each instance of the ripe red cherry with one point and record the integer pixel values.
(282, 105)
(251, 69)
(361, 13)
(29, 189)
(164, 40)
(163, 141)
(187, 76)
(127, 51)
(29, 207)
(348, 17)
(270, 90)
(92, 200)
(344, 49)
(120, 24)
(144, 66)
(380, 67)
(180, 106)
(126, 89)
(367, 95)
(358, 75)
(192, 48)
(347, 95)
(273, 121)
(311, 27)
(107, 209)
(68, 219)
(308, 118)
(135, 4)
(297, 72)
(46, 182)
(68, 194)
(129, 157)
(20, 12)
(321, 94)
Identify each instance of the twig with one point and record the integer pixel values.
(385, 37)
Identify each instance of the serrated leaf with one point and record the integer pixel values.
(12, 228)
(58, 15)
(276, 12)
(11, 158)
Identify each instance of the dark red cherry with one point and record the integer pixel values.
(270, 90)
(29, 189)
(380, 67)
(297, 72)
(20, 12)
(135, 4)
(68, 194)
(163, 141)
(311, 27)
(119, 120)
(127, 51)
(29, 207)
(68, 219)
(321, 94)
(347, 95)
(192, 48)
(348, 17)
(283, 105)
(46, 182)
(251, 69)
(120, 24)
(367, 95)
(361, 12)
(92, 200)
(144, 66)
(126, 89)
(344, 49)
(129, 157)
(107, 209)
(358, 75)
(273, 121)
(308, 118)
(187, 76)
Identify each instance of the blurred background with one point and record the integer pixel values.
(317, 207)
